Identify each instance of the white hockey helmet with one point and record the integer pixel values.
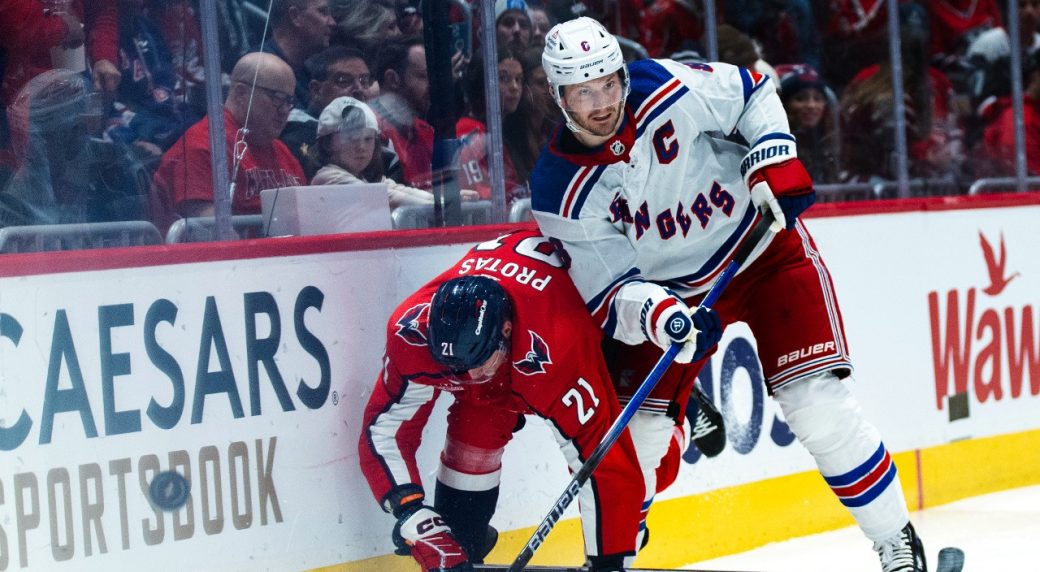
(577, 51)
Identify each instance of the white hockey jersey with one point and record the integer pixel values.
(666, 199)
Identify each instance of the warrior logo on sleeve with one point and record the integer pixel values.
(537, 357)
(408, 325)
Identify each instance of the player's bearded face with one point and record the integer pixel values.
(596, 104)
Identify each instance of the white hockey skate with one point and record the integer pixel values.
(902, 552)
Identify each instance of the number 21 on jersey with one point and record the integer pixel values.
(576, 397)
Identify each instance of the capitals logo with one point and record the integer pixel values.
(408, 326)
(536, 359)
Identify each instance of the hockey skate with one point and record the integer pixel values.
(902, 552)
(709, 434)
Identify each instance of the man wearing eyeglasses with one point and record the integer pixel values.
(336, 72)
(259, 100)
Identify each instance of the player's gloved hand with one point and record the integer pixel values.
(421, 532)
(785, 189)
(697, 330)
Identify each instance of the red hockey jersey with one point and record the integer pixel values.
(556, 371)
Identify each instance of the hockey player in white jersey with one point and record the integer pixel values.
(651, 201)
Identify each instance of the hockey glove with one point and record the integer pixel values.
(785, 189)
(697, 330)
(421, 532)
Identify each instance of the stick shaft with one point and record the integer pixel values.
(612, 435)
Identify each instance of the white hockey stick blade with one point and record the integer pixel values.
(951, 559)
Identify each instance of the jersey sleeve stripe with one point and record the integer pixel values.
(581, 194)
(753, 81)
(656, 97)
(659, 109)
(385, 427)
(608, 293)
(774, 135)
(571, 192)
(647, 76)
(552, 180)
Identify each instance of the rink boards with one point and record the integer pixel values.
(245, 367)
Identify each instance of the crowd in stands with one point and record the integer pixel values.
(105, 109)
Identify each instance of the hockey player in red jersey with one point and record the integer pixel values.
(650, 198)
(505, 332)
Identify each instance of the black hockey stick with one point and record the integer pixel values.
(583, 474)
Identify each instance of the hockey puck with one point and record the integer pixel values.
(169, 490)
(951, 559)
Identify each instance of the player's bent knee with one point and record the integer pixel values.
(470, 468)
(821, 412)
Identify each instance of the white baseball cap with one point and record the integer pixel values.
(331, 119)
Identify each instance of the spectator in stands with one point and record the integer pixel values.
(543, 113)
(666, 24)
(147, 114)
(25, 23)
(997, 153)
(512, 25)
(347, 139)
(855, 35)
(737, 48)
(786, 29)
(299, 29)
(49, 142)
(335, 72)
(409, 18)
(541, 23)
(993, 44)
(30, 38)
(179, 24)
(182, 186)
(952, 21)
(810, 116)
(236, 37)
(364, 23)
(520, 151)
(868, 123)
(404, 100)
(989, 56)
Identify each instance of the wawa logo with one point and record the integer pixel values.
(989, 350)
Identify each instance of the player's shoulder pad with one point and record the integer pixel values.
(551, 178)
(726, 80)
(645, 78)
